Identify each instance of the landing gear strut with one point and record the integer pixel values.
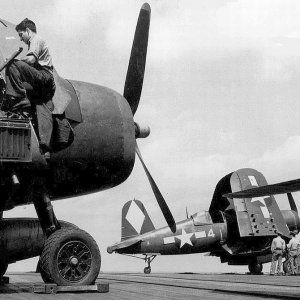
(148, 260)
(3, 263)
(255, 268)
(44, 210)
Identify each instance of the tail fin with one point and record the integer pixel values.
(135, 220)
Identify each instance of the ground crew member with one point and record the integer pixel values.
(277, 248)
(35, 69)
(292, 247)
(298, 256)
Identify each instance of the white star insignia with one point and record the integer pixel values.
(185, 238)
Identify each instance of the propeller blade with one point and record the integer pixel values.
(160, 199)
(292, 202)
(272, 189)
(136, 68)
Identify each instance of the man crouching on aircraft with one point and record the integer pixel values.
(35, 70)
(277, 248)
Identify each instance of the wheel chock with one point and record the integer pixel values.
(54, 288)
(45, 288)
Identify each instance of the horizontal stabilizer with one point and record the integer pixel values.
(122, 245)
(271, 189)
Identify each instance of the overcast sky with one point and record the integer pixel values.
(221, 92)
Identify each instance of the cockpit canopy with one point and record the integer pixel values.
(201, 218)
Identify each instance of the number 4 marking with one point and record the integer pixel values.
(211, 233)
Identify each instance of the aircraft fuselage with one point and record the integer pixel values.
(188, 238)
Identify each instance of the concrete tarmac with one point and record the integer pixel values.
(166, 286)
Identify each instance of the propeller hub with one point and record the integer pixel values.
(141, 132)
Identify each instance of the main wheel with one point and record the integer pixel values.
(147, 270)
(255, 268)
(70, 257)
(39, 269)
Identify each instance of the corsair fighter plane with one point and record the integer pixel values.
(239, 226)
(98, 154)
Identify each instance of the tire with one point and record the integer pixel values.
(147, 270)
(45, 276)
(70, 257)
(39, 269)
(255, 268)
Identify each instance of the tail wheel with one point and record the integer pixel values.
(147, 270)
(255, 268)
(70, 257)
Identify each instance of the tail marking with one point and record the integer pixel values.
(135, 217)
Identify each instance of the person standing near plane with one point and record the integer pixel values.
(35, 69)
(277, 247)
(293, 248)
(298, 252)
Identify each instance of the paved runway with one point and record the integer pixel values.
(167, 286)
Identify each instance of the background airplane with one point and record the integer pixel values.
(239, 226)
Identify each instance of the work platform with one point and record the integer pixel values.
(167, 286)
(22, 285)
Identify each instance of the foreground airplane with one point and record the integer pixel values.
(239, 226)
(98, 152)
